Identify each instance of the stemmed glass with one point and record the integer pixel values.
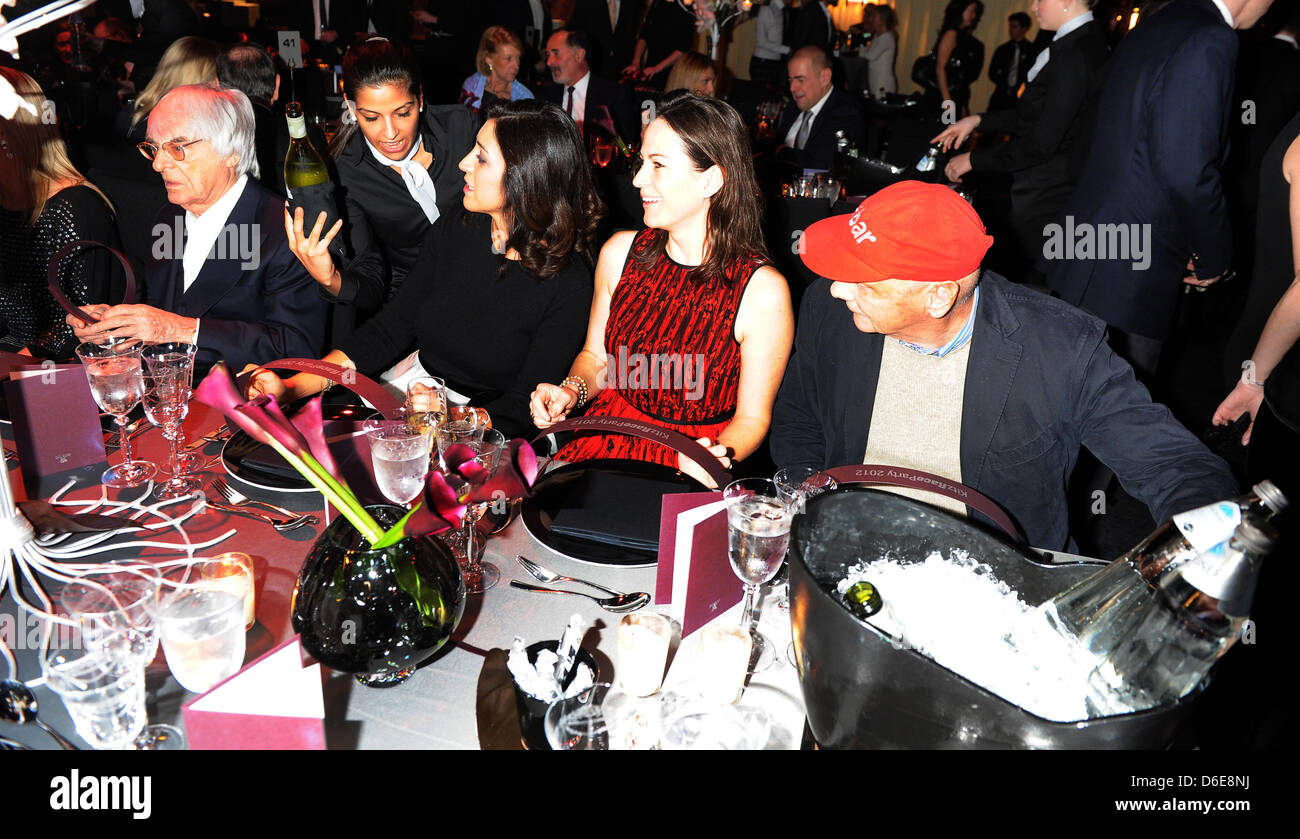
(102, 690)
(426, 402)
(758, 533)
(176, 357)
(400, 457)
(114, 606)
(479, 576)
(462, 424)
(166, 403)
(116, 379)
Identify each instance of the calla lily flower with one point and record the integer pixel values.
(442, 509)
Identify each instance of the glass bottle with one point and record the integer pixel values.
(1195, 615)
(303, 164)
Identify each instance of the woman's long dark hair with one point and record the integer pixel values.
(375, 63)
(952, 14)
(714, 134)
(551, 200)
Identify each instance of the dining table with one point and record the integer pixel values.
(445, 703)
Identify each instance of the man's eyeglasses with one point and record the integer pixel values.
(173, 148)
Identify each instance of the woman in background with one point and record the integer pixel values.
(959, 56)
(694, 73)
(692, 291)
(881, 22)
(46, 204)
(189, 60)
(499, 53)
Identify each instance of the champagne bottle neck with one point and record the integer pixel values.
(297, 127)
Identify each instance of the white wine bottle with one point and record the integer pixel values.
(303, 165)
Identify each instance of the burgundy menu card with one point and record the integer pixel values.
(56, 426)
(694, 575)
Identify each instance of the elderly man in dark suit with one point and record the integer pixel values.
(1152, 173)
(807, 126)
(222, 275)
(912, 357)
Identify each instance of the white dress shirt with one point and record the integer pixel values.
(202, 232)
(810, 115)
(769, 31)
(1227, 15)
(579, 99)
(1043, 57)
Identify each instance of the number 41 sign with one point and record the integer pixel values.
(291, 49)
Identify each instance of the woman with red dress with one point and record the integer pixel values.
(690, 327)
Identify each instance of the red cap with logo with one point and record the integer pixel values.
(909, 231)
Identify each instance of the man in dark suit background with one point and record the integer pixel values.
(812, 25)
(1152, 171)
(1010, 63)
(807, 126)
(613, 44)
(594, 103)
(221, 275)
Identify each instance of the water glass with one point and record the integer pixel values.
(480, 576)
(426, 402)
(174, 362)
(116, 375)
(463, 424)
(758, 533)
(201, 624)
(102, 689)
(796, 485)
(694, 723)
(115, 605)
(400, 457)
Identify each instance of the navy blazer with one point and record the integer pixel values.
(1040, 382)
(255, 301)
(1155, 158)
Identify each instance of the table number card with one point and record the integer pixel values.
(274, 703)
(56, 426)
(694, 575)
(291, 49)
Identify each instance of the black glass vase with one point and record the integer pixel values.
(376, 613)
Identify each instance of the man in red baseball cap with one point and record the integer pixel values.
(907, 354)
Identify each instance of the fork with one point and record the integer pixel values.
(217, 436)
(278, 524)
(543, 575)
(236, 498)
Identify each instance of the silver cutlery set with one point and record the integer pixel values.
(617, 602)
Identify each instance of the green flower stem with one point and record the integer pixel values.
(342, 499)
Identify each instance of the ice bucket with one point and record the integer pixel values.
(861, 691)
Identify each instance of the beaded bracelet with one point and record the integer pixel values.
(578, 385)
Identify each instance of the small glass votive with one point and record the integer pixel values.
(723, 662)
(643, 641)
(233, 572)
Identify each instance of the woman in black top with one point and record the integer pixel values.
(45, 204)
(959, 55)
(501, 291)
(397, 174)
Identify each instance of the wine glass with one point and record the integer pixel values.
(201, 625)
(400, 457)
(758, 533)
(166, 403)
(177, 357)
(480, 576)
(114, 605)
(426, 401)
(796, 485)
(602, 151)
(602, 717)
(102, 689)
(462, 424)
(116, 380)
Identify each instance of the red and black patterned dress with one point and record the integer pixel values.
(673, 358)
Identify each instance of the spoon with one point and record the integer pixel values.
(18, 704)
(623, 603)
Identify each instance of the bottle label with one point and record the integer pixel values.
(1210, 573)
(1208, 526)
(297, 127)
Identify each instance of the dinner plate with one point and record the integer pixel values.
(241, 454)
(615, 502)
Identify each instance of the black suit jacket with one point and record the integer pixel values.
(254, 300)
(840, 113)
(1004, 96)
(1045, 125)
(604, 97)
(614, 47)
(810, 27)
(1155, 159)
(1040, 382)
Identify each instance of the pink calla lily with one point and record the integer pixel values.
(311, 425)
(440, 511)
